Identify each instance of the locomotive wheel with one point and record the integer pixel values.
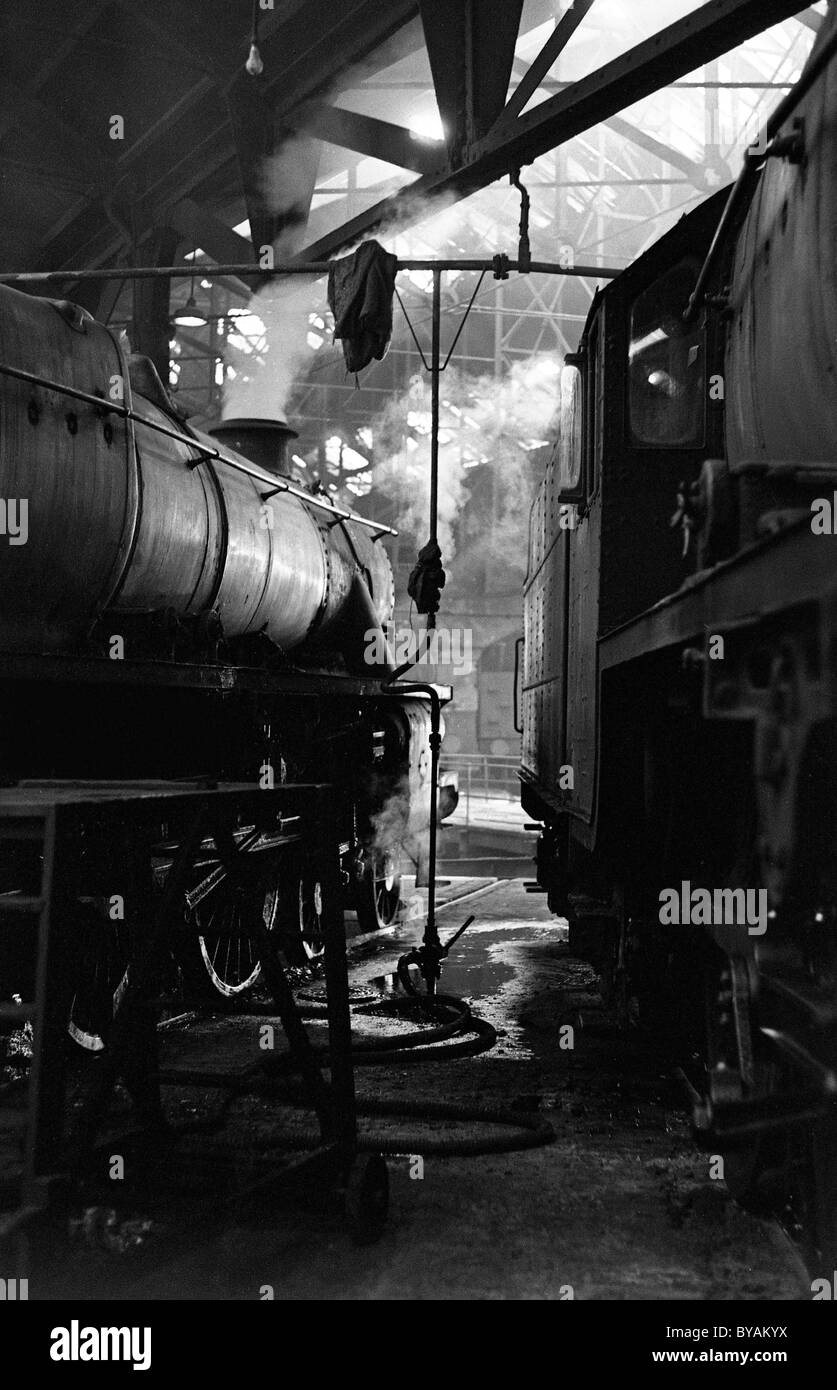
(378, 894)
(229, 953)
(102, 966)
(755, 1171)
(302, 919)
(367, 1200)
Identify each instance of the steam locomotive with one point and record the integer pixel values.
(173, 610)
(679, 686)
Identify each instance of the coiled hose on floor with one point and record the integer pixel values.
(527, 1130)
(428, 1045)
(454, 1017)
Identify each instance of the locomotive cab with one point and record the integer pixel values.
(635, 425)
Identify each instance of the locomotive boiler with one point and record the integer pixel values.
(175, 610)
(679, 687)
(130, 515)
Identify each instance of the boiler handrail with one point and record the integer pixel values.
(260, 475)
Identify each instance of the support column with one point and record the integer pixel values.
(149, 331)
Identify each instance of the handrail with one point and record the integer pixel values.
(207, 451)
(753, 165)
(518, 645)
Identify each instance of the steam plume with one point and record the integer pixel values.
(491, 426)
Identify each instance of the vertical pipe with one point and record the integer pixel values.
(498, 330)
(431, 935)
(430, 948)
(341, 1067)
(434, 420)
(214, 394)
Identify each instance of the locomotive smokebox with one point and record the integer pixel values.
(263, 441)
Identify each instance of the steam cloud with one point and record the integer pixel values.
(264, 378)
(483, 421)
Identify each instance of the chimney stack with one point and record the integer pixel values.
(262, 441)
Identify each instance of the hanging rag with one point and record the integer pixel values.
(427, 579)
(360, 290)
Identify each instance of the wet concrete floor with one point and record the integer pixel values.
(621, 1206)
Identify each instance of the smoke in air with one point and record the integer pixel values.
(288, 319)
(277, 334)
(488, 431)
(272, 346)
(401, 826)
(491, 428)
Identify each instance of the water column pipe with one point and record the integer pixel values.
(431, 953)
(435, 372)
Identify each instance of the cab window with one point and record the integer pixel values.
(666, 365)
(595, 406)
(567, 454)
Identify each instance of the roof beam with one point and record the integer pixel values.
(202, 228)
(470, 44)
(90, 157)
(443, 22)
(812, 19)
(252, 121)
(56, 53)
(149, 329)
(697, 173)
(546, 59)
(298, 63)
(675, 158)
(194, 52)
(707, 33)
(494, 26)
(367, 135)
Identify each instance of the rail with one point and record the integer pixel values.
(487, 776)
(499, 265)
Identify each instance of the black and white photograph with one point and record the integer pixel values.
(418, 673)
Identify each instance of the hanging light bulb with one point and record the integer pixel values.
(254, 65)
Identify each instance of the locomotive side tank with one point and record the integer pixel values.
(781, 364)
(136, 516)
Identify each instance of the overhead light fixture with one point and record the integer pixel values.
(427, 126)
(190, 316)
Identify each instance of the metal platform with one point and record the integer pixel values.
(86, 834)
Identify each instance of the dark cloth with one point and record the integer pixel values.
(427, 579)
(360, 290)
